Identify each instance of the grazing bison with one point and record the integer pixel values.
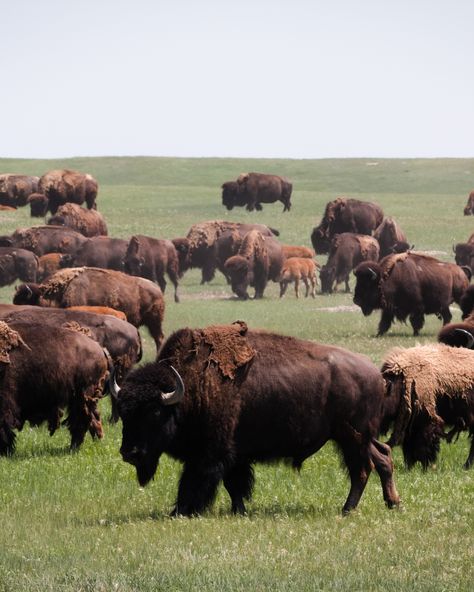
(469, 209)
(88, 222)
(150, 258)
(296, 269)
(429, 387)
(120, 338)
(17, 264)
(347, 251)
(36, 388)
(253, 189)
(258, 260)
(251, 396)
(345, 215)
(141, 300)
(45, 239)
(16, 189)
(51, 263)
(464, 255)
(102, 251)
(198, 249)
(62, 186)
(390, 237)
(408, 285)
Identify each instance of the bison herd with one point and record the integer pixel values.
(223, 397)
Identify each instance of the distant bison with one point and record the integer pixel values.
(16, 189)
(408, 285)
(464, 255)
(469, 209)
(345, 214)
(36, 388)
(141, 300)
(258, 260)
(61, 186)
(88, 222)
(458, 334)
(347, 251)
(253, 189)
(222, 398)
(45, 239)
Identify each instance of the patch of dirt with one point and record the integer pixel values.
(341, 308)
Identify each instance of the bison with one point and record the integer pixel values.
(51, 263)
(88, 222)
(464, 255)
(253, 189)
(16, 189)
(428, 387)
(62, 186)
(45, 239)
(345, 215)
(390, 237)
(141, 300)
(296, 269)
(17, 264)
(150, 258)
(469, 208)
(458, 334)
(36, 388)
(198, 249)
(245, 396)
(297, 251)
(408, 285)
(347, 251)
(102, 251)
(258, 260)
(467, 302)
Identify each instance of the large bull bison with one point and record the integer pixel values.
(198, 249)
(102, 251)
(141, 300)
(469, 208)
(16, 189)
(429, 387)
(346, 252)
(87, 222)
(253, 189)
(150, 258)
(408, 285)
(45, 239)
(38, 383)
(251, 396)
(17, 264)
(391, 238)
(258, 260)
(61, 186)
(345, 214)
(120, 338)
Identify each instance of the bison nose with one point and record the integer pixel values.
(131, 455)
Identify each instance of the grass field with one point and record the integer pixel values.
(80, 522)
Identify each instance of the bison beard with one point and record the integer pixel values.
(252, 396)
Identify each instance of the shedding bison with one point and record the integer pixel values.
(222, 398)
(253, 189)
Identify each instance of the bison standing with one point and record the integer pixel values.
(408, 285)
(16, 189)
(251, 396)
(61, 186)
(253, 189)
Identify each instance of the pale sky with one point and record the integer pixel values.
(237, 78)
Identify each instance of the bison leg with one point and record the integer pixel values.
(7, 440)
(348, 289)
(283, 287)
(446, 315)
(470, 458)
(306, 283)
(385, 322)
(358, 462)
(297, 287)
(417, 320)
(197, 489)
(381, 456)
(239, 482)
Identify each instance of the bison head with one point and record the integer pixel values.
(230, 191)
(237, 269)
(147, 409)
(39, 205)
(367, 290)
(320, 239)
(327, 275)
(27, 294)
(134, 261)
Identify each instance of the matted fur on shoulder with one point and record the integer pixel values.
(206, 233)
(8, 340)
(368, 246)
(425, 372)
(58, 282)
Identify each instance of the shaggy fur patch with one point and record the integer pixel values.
(205, 234)
(423, 373)
(58, 283)
(8, 340)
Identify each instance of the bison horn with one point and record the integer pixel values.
(470, 337)
(29, 290)
(177, 395)
(372, 273)
(114, 388)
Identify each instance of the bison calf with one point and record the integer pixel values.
(296, 269)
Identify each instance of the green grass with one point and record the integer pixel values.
(80, 522)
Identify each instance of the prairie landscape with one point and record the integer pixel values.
(80, 522)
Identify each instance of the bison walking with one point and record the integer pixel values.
(245, 396)
(408, 285)
(253, 189)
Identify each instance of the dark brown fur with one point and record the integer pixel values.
(17, 264)
(253, 189)
(102, 251)
(390, 236)
(45, 239)
(16, 189)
